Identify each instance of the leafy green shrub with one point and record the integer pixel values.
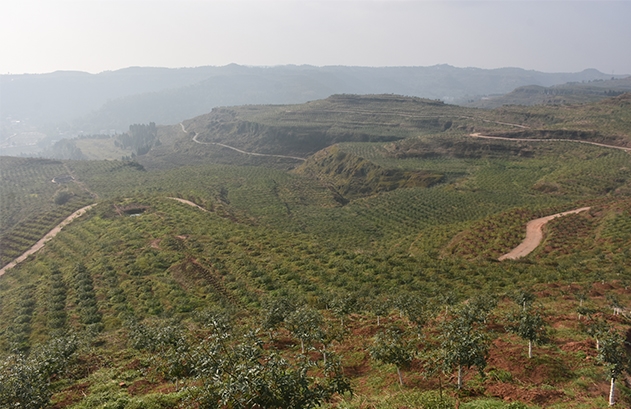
(88, 309)
(25, 381)
(390, 347)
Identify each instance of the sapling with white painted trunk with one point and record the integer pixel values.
(529, 325)
(613, 355)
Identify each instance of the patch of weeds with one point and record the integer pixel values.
(474, 387)
(379, 382)
(581, 383)
(425, 400)
(492, 404)
(354, 359)
(624, 393)
(500, 375)
(105, 400)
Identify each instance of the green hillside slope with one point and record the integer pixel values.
(206, 276)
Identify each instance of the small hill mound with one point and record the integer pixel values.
(353, 176)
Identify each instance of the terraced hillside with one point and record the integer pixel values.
(206, 277)
(564, 94)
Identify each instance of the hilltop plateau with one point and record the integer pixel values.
(341, 253)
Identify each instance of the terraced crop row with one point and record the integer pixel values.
(26, 188)
(22, 236)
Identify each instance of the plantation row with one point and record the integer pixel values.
(172, 257)
(251, 194)
(26, 188)
(314, 347)
(25, 234)
(557, 167)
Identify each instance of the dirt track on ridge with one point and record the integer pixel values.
(188, 202)
(239, 150)
(37, 246)
(51, 234)
(534, 235)
(503, 138)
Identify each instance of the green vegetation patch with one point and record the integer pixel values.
(353, 176)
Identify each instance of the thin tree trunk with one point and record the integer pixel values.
(459, 377)
(597, 344)
(611, 392)
(302, 346)
(529, 349)
(378, 322)
(324, 353)
(400, 377)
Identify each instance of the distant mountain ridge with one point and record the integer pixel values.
(299, 84)
(116, 99)
(568, 93)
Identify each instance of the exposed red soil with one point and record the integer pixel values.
(71, 395)
(587, 346)
(140, 387)
(510, 392)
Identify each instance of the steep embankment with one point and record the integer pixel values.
(238, 150)
(352, 176)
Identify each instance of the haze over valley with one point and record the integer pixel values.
(301, 204)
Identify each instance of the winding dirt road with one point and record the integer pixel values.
(503, 138)
(534, 235)
(239, 150)
(37, 246)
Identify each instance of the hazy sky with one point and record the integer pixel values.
(98, 35)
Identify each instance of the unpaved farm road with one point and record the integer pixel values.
(239, 150)
(534, 235)
(188, 202)
(502, 138)
(37, 246)
(49, 236)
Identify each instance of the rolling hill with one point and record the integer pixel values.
(266, 254)
(39, 109)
